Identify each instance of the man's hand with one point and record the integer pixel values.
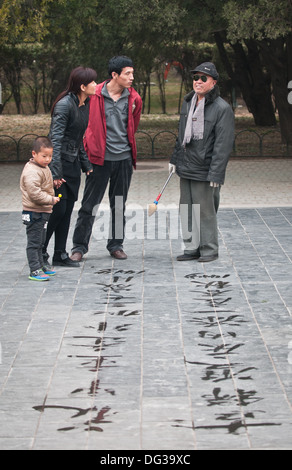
(214, 185)
(172, 168)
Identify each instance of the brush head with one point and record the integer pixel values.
(152, 208)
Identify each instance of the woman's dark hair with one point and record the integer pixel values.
(117, 63)
(79, 76)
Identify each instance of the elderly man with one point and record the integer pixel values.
(200, 157)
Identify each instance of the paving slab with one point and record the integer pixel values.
(150, 353)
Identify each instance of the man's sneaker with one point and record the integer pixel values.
(48, 270)
(38, 275)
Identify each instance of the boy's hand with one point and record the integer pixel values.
(56, 200)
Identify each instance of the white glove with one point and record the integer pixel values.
(172, 168)
(214, 185)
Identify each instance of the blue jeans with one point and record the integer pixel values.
(118, 175)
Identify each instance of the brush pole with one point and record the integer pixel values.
(160, 194)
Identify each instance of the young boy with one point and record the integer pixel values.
(38, 199)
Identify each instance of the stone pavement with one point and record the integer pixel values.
(150, 353)
(249, 183)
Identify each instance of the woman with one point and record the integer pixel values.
(70, 114)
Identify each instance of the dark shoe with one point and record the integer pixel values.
(76, 256)
(46, 257)
(186, 257)
(119, 254)
(62, 259)
(206, 259)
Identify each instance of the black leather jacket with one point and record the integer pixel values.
(68, 125)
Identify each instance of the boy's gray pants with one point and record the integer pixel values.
(199, 203)
(36, 235)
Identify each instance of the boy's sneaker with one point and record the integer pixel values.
(48, 270)
(38, 275)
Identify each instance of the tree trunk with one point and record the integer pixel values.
(13, 75)
(149, 94)
(2, 106)
(161, 84)
(180, 95)
(277, 57)
(249, 77)
(143, 96)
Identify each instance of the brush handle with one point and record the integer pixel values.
(166, 183)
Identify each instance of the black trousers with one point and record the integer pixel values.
(60, 224)
(60, 219)
(118, 175)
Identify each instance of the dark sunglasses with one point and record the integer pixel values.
(204, 78)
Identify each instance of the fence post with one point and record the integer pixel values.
(261, 145)
(19, 141)
(158, 133)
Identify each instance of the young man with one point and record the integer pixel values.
(110, 145)
(200, 157)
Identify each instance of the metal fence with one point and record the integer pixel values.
(247, 143)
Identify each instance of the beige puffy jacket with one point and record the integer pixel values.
(36, 184)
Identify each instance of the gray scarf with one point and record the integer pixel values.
(195, 122)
